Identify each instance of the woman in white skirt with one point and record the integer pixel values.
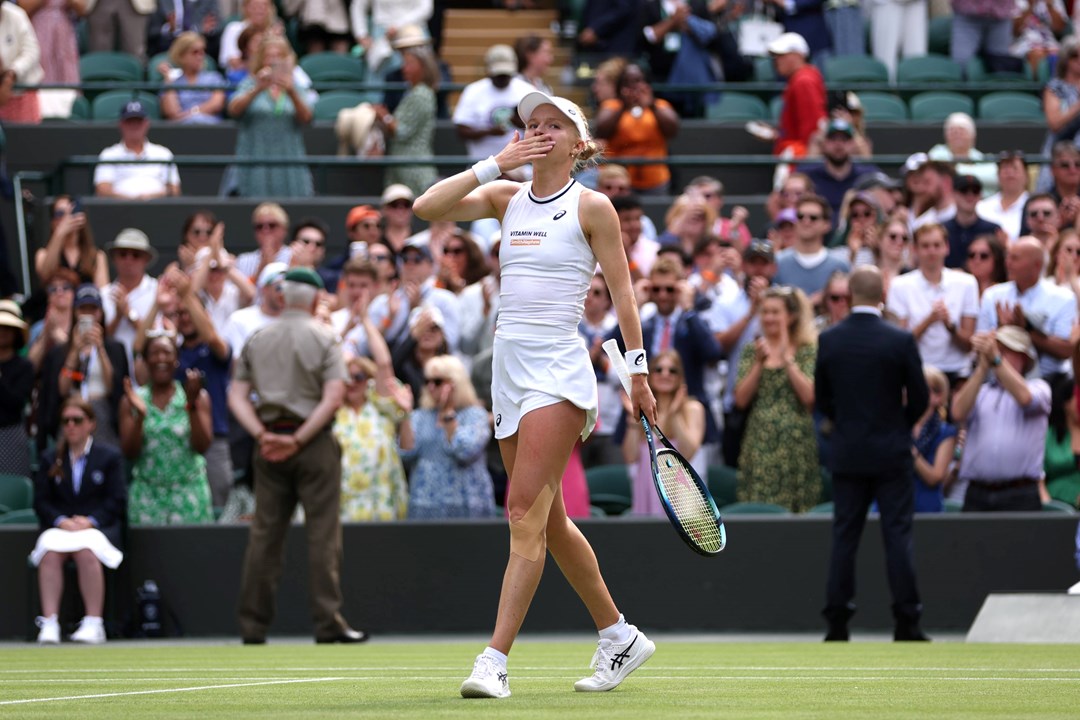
(79, 498)
(554, 232)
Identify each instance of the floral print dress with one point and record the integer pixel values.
(168, 479)
(372, 477)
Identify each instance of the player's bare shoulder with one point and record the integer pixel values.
(596, 213)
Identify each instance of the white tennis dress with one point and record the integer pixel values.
(539, 358)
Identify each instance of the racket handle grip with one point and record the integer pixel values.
(618, 363)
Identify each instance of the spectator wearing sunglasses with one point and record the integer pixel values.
(1065, 171)
(53, 330)
(71, 246)
(270, 224)
(448, 476)
(307, 244)
(835, 301)
(194, 236)
(808, 264)
(966, 225)
(397, 214)
(1064, 267)
(1042, 218)
(391, 312)
(986, 262)
(128, 299)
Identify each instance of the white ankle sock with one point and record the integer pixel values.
(495, 655)
(617, 633)
(92, 620)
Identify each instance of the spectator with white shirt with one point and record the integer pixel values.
(1033, 303)
(359, 280)
(391, 312)
(938, 305)
(221, 287)
(270, 223)
(485, 114)
(244, 322)
(1005, 208)
(136, 182)
(128, 299)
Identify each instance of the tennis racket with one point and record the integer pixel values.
(686, 500)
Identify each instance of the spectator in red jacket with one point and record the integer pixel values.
(804, 95)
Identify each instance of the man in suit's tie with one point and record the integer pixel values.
(869, 382)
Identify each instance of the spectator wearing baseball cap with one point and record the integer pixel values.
(485, 115)
(397, 200)
(804, 95)
(138, 182)
(966, 225)
(837, 172)
(1006, 206)
(782, 233)
(417, 288)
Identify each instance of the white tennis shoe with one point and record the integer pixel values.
(49, 634)
(614, 661)
(91, 632)
(488, 680)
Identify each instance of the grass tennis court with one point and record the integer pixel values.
(414, 679)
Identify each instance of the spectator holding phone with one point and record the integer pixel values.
(166, 427)
(71, 245)
(271, 110)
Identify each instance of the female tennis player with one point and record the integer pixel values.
(554, 232)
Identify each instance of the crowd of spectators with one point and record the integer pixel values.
(979, 252)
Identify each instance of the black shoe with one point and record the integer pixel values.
(254, 641)
(348, 635)
(909, 633)
(837, 633)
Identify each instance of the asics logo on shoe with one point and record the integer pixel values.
(618, 658)
(502, 678)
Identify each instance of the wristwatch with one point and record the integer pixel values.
(996, 362)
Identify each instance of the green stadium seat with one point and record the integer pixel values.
(16, 492)
(764, 70)
(1057, 506)
(976, 71)
(951, 506)
(332, 67)
(723, 482)
(107, 106)
(883, 107)
(825, 508)
(80, 109)
(1005, 105)
(927, 69)
(117, 66)
(609, 488)
(736, 106)
(855, 69)
(333, 101)
(939, 40)
(26, 516)
(776, 106)
(754, 508)
(938, 105)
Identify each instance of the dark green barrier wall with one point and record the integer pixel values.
(442, 577)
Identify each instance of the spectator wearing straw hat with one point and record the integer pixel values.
(128, 299)
(1007, 418)
(16, 384)
(136, 182)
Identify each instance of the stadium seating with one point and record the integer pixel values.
(80, 109)
(333, 101)
(754, 508)
(776, 106)
(736, 106)
(825, 508)
(16, 492)
(882, 107)
(939, 40)
(723, 482)
(1058, 506)
(332, 67)
(26, 516)
(949, 505)
(855, 69)
(609, 488)
(976, 71)
(764, 71)
(928, 68)
(938, 105)
(1006, 105)
(116, 66)
(107, 106)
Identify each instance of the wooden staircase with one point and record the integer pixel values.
(468, 33)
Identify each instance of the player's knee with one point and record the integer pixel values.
(528, 526)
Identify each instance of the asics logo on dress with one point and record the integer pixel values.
(618, 658)
(559, 214)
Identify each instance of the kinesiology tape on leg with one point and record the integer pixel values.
(527, 534)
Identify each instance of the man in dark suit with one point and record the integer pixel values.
(173, 17)
(869, 382)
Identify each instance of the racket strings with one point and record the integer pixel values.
(692, 510)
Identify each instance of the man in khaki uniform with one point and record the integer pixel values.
(295, 368)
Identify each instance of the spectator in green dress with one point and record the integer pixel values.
(779, 458)
(410, 131)
(165, 427)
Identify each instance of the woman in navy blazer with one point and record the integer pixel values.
(80, 487)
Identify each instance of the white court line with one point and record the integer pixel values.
(529, 668)
(165, 690)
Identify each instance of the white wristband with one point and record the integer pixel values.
(487, 170)
(636, 363)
